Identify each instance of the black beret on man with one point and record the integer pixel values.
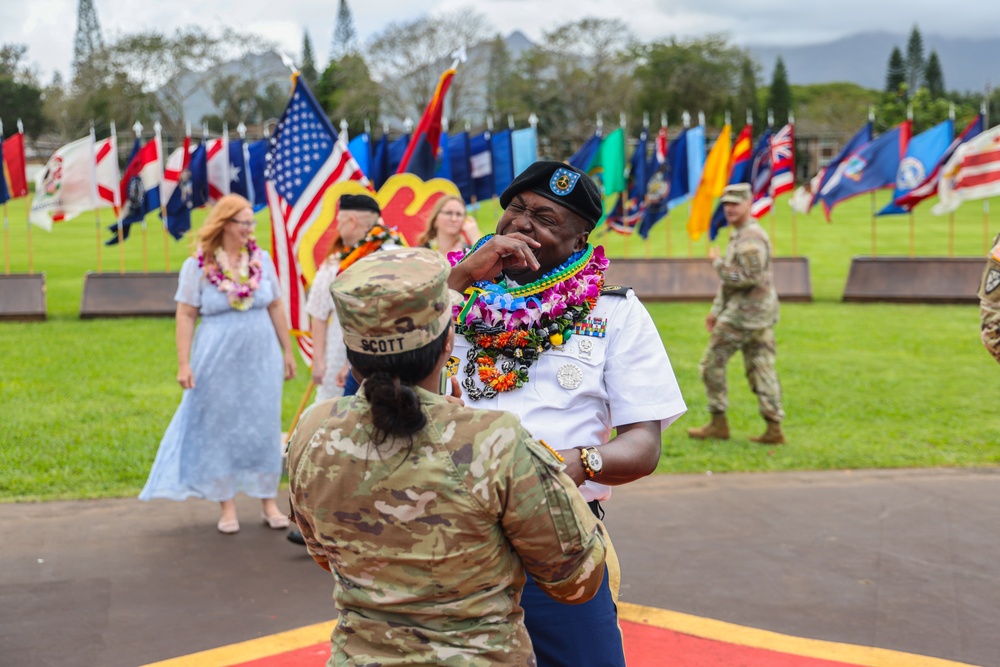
(559, 182)
(359, 203)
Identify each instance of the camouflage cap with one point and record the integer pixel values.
(736, 193)
(394, 301)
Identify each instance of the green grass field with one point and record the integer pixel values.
(83, 403)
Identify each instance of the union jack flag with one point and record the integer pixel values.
(783, 161)
(304, 160)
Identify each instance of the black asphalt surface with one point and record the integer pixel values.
(904, 560)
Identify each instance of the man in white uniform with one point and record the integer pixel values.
(572, 375)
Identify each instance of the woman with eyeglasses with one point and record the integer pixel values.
(225, 437)
(449, 228)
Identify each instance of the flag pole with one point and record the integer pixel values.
(951, 234)
(158, 137)
(871, 119)
(27, 209)
(96, 197)
(774, 227)
(137, 128)
(624, 194)
(913, 235)
(6, 242)
(686, 119)
(795, 229)
(986, 226)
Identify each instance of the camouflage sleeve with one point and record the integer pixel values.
(560, 542)
(719, 302)
(989, 300)
(300, 471)
(747, 267)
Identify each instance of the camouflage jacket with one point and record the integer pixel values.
(746, 298)
(428, 544)
(989, 301)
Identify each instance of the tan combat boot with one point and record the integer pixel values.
(772, 436)
(718, 428)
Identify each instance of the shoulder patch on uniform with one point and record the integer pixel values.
(615, 290)
(992, 280)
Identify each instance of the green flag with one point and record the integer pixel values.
(609, 163)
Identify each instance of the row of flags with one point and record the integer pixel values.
(934, 162)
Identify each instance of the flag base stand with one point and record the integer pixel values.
(914, 279)
(694, 279)
(22, 297)
(128, 295)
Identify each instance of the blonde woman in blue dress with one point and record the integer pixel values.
(225, 437)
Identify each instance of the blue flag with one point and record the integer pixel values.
(140, 188)
(380, 163)
(677, 164)
(256, 155)
(503, 161)
(695, 141)
(360, 149)
(922, 155)
(657, 184)
(443, 165)
(862, 137)
(396, 151)
(524, 146)
(481, 166)
(582, 158)
(458, 155)
(872, 166)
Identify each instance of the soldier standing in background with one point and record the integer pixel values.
(743, 316)
(989, 301)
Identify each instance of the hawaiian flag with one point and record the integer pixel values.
(421, 153)
(783, 161)
(929, 186)
(139, 189)
(739, 172)
(871, 167)
(760, 176)
(12, 166)
(304, 160)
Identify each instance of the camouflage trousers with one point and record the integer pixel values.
(759, 352)
(990, 333)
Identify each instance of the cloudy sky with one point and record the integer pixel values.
(47, 26)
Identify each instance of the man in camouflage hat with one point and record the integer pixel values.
(989, 301)
(742, 317)
(427, 512)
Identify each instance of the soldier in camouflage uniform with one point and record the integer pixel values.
(743, 316)
(989, 301)
(428, 513)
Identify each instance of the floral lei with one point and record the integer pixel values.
(238, 285)
(372, 241)
(513, 326)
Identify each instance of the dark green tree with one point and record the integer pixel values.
(308, 68)
(88, 40)
(345, 37)
(21, 97)
(779, 98)
(346, 91)
(895, 73)
(933, 76)
(915, 60)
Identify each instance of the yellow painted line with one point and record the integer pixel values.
(706, 628)
(254, 649)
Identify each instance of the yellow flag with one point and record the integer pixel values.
(713, 181)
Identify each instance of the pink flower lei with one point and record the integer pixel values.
(237, 283)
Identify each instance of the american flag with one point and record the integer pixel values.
(303, 161)
(783, 161)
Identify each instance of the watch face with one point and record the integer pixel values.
(594, 460)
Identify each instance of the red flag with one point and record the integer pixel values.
(14, 165)
(422, 151)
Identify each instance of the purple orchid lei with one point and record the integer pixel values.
(538, 304)
(238, 285)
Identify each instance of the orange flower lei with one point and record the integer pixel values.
(372, 241)
(486, 363)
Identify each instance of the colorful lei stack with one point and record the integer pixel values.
(372, 241)
(509, 327)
